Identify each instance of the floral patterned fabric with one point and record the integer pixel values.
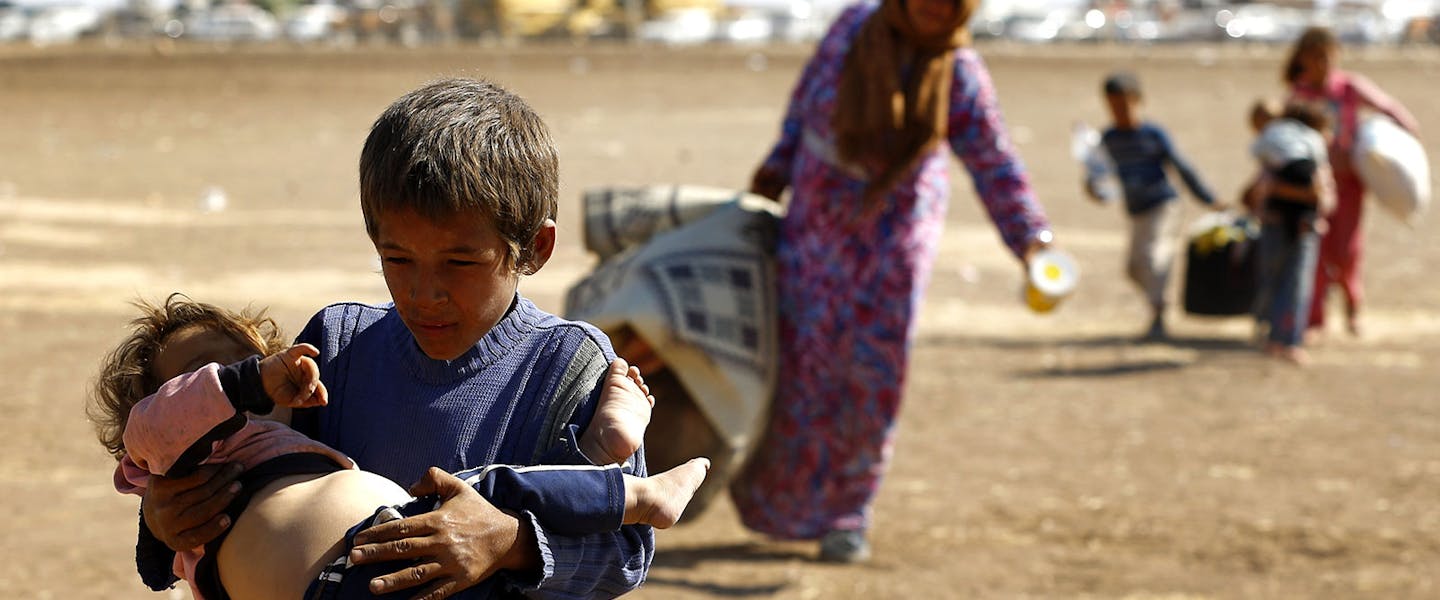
(849, 285)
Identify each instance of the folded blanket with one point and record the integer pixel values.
(690, 270)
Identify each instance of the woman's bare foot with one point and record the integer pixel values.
(660, 499)
(618, 428)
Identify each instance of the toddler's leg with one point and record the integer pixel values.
(660, 499)
(618, 428)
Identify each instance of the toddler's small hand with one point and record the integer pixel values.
(292, 379)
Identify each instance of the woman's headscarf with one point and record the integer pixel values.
(880, 122)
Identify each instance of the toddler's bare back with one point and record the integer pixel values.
(295, 526)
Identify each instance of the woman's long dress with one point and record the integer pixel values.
(849, 287)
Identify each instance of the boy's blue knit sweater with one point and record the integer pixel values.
(519, 396)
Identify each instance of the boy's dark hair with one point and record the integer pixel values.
(1307, 113)
(1312, 40)
(126, 377)
(1123, 84)
(463, 146)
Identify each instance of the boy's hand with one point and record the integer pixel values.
(456, 546)
(185, 512)
(292, 379)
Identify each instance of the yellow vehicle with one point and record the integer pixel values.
(577, 18)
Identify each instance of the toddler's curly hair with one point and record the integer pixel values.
(126, 377)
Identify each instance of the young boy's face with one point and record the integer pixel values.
(1122, 106)
(451, 281)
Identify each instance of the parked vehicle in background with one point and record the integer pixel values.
(14, 24)
(319, 21)
(232, 23)
(1053, 24)
(60, 24)
(1263, 23)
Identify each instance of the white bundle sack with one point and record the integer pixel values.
(1393, 165)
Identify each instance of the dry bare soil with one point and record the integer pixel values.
(1038, 456)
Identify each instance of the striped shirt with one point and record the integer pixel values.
(1140, 156)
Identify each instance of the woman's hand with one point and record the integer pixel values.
(185, 512)
(768, 183)
(1040, 242)
(292, 378)
(456, 546)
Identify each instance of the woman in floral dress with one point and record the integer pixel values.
(862, 152)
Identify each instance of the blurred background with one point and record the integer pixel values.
(151, 147)
(413, 22)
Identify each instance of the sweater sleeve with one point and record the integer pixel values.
(782, 154)
(170, 432)
(977, 135)
(1187, 173)
(589, 566)
(154, 561)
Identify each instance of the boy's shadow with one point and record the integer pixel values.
(690, 560)
(1114, 369)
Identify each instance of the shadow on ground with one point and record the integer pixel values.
(1147, 356)
(688, 559)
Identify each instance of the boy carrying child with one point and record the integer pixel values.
(458, 188)
(1292, 194)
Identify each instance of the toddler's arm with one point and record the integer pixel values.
(172, 431)
(1254, 195)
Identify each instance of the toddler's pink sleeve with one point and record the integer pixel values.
(177, 426)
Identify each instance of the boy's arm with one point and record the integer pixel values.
(1253, 198)
(1187, 173)
(599, 565)
(170, 433)
(578, 500)
(534, 559)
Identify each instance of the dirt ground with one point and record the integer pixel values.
(1038, 456)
